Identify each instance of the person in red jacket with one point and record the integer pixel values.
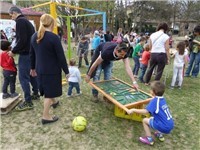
(9, 70)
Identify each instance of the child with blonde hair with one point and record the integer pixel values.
(74, 78)
(180, 59)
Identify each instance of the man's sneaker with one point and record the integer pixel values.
(12, 95)
(159, 136)
(24, 106)
(147, 140)
(35, 97)
(5, 95)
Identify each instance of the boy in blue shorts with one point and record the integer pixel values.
(161, 119)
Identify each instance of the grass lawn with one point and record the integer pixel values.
(105, 131)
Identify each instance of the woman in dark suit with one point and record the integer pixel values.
(47, 62)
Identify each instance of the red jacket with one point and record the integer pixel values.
(7, 62)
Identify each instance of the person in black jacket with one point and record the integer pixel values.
(47, 62)
(24, 31)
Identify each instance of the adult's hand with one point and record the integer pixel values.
(10, 54)
(135, 85)
(33, 73)
(87, 78)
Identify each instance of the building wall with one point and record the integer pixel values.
(35, 18)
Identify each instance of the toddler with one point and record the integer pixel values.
(161, 119)
(9, 70)
(144, 62)
(180, 58)
(74, 78)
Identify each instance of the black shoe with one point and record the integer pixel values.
(55, 104)
(12, 95)
(5, 95)
(35, 97)
(44, 121)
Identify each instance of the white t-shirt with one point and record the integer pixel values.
(74, 74)
(179, 59)
(158, 40)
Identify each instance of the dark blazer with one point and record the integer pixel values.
(48, 57)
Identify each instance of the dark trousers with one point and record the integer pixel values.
(85, 55)
(9, 79)
(159, 59)
(25, 79)
(71, 86)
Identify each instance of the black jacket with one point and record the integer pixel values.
(24, 31)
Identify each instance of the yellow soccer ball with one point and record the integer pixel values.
(79, 123)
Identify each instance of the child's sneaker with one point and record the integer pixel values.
(147, 140)
(5, 95)
(159, 136)
(179, 87)
(12, 95)
(79, 93)
(68, 96)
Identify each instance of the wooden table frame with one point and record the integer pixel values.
(124, 107)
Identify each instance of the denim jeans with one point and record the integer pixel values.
(142, 73)
(136, 66)
(25, 78)
(193, 64)
(71, 86)
(107, 75)
(9, 79)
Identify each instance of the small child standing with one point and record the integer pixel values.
(144, 62)
(83, 51)
(74, 78)
(161, 119)
(9, 70)
(136, 56)
(180, 59)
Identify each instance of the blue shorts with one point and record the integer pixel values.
(151, 123)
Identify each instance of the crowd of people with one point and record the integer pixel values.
(42, 60)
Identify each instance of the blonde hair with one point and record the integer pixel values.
(46, 21)
(119, 30)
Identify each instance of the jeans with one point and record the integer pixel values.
(193, 64)
(142, 73)
(71, 86)
(137, 65)
(107, 75)
(25, 79)
(9, 79)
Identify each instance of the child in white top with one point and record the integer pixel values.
(180, 58)
(74, 78)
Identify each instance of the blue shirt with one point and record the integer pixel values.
(96, 41)
(158, 108)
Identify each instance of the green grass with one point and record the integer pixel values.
(105, 131)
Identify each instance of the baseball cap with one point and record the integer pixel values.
(96, 32)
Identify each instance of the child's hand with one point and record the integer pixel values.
(130, 111)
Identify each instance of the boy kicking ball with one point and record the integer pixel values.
(161, 120)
